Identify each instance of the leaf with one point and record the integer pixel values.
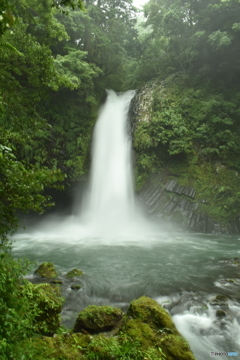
(219, 38)
(11, 47)
(236, 26)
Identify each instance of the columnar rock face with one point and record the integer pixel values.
(165, 199)
(162, 195)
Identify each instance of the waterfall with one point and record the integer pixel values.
(109, 201)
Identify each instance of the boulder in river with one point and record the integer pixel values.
(46, 270)
(74, 272)
(152, 326)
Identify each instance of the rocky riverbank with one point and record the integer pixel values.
(144, 331)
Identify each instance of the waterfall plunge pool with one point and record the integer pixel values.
(183, 272)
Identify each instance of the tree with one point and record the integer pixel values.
(104, 32)
(92, 58)
(28, 72)
(193, 36)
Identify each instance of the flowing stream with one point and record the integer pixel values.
(124, 256)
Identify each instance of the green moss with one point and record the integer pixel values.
(61, 347)
(139, 338)
(56, 282)
(75, 287)
(141, 332)
(74, 272)
(149, 311)
(46, 270)
(176, 348)
(46, 304)
(153, 327)
(95, 319)
(221, 298)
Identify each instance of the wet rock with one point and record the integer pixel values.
(74, 272)
(96, 319)
(236, 261)
(56, 282)
(75, 287)
(220, 301)
(220, 314)
(46, 270)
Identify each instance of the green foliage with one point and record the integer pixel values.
(7, 18)
(92, 58)
(105, 31)
(201, 38)
(21, 188)
(16, 318)
(196, 128)
(46, 305)
(102, 348)
(73, 4)
(75, 70)
(29, 159)
(99, 347)
(218, 190)
(190, 122)
(25, 309)
(74, 272)
(121, 348)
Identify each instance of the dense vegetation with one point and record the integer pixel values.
(192, 49)
(56, 59)
(55, 64)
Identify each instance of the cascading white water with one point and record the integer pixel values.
(109, 202)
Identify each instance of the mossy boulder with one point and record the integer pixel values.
(145, 332)
(74, 272)
(46, 304)
(220, 314)
(175, 347)
(220, 301)
(151, 325)
(149, 311)
(75, 287)
(96, 319)
(46, 270)
(56, 282)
